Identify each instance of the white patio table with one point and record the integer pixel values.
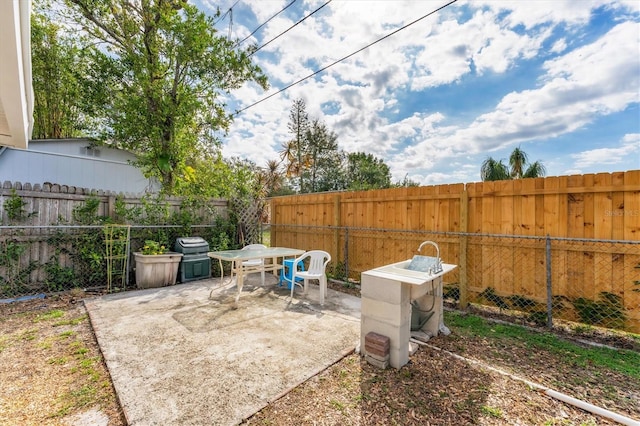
(236, 257)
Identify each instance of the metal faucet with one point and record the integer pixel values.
(438, 266)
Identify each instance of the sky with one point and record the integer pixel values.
(559, 79)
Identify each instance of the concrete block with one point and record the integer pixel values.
(376, 363)
(377, 357)
(378, 288)
(413, 348)
(384, 311)
(398, 335)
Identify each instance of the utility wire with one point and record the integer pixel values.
(291, 27)
(225, 14)
(264, 23)
(346, 57)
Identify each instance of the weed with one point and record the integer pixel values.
(72, 321)
(53, 314)
(491, 411)
(607, 311)
(29, 334)
(78, 348)
(337, 405)
(75, 399)
(58, 360)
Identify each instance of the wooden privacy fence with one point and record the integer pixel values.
(593, 212)
(52, 204)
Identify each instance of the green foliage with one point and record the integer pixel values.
(406, 182)
(338, 271)
(523, 303)
(87, 213)
(151, 247)
(493, 170)
(59, 278)
(608, 311)
(89, 255)
(14, 206)
(16, 275)
(539, 318)
(519, 167)
(490, 295)
(364, 172)
(158, 79)
(153, 210)
(58, 66)
(491, 411)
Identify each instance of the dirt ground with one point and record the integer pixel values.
(52, 370)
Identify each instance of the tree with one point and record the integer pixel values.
(406, 182)
(365, 171)
(294, 151)
(519, 168)
(322, 155)
(158, 79)
(57, 67)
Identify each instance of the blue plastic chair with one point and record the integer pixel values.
(286, 272)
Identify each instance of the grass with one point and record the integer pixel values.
(53, 314)
(622, 361)
(79, 381)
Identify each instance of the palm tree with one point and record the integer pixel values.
(493, 170)
(519, 167)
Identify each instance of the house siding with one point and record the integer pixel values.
(66, 162)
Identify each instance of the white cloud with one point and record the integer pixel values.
(629, 146)
(593, 80)
(579, 83)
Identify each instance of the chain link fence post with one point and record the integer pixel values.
(346, 253)
(549, 286)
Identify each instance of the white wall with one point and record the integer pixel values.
(67, 162)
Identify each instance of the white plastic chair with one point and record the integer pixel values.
(254, 262)
(318, 261)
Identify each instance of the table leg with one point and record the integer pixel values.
(239, 281)
(221, 277)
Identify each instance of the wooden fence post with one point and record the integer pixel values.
(111, 206)
(273, 230)
(336, 223)
(464, 228)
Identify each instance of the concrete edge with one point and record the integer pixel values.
(104, 360)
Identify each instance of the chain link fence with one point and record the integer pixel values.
(538, 280)
(51, 259)
(533, 280)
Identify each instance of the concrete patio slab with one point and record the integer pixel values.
(177, 356)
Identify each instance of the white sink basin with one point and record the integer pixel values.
(399, 272)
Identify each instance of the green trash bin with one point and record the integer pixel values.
(195, 263)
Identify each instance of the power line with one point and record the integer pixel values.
(291, 27)
(346, 57)
(265, 23)
(225, 14)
